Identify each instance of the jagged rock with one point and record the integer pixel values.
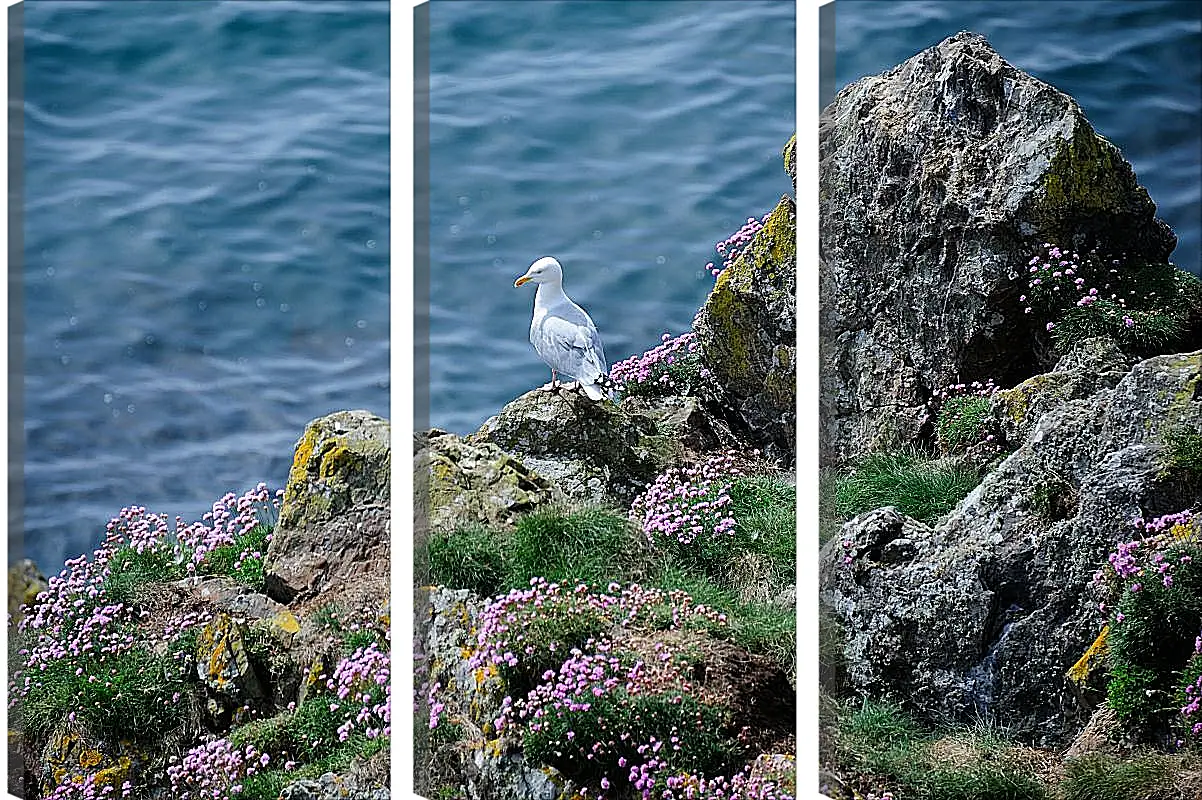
(475, 483)
(77, 755)
(331, 786)
(748, 334)
(490, 770)
(445, 631)
(592, 451)
(1093, 365)
(937, 179)
(984, 614)
(25, 581)
(334, 521)
(224, 667)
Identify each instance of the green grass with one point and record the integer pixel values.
(1182, 452)
(922, 488)
(223, 560)
(757, 627)
(130, 698)
(765, 509)
(131, 571)
(1101, 777)
(590, 546)
(468, 558)
(962, 422)
(878, 739)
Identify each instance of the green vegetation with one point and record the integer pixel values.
(242, 560)
(590, 545)
(895, 753)
(1151, 645)
(596, 546)
(1182, 452)
(917, 485)
(121, 694)
(703, 749)
(467, 558)
(962, 422)
(131, 571)
(309, 735)
(1101, 777)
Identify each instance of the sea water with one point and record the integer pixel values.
(206, 260)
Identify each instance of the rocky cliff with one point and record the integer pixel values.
(937, 182)
(609, 586)
(997, 298)
(243, 655)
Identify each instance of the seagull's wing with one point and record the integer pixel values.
(568, 341)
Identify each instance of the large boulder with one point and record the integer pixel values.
(983, 615)
(461, 483)
(332, 533)
(937, 179)
(595, 452)
(748, 332)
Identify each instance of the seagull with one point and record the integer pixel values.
(562, 333)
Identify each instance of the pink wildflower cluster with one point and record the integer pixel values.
(1138, 560)
(1193, 696)
(653, 780)
(361, 683)
(436, 706)
(74, 616)
(510, 625)
(974, 389)
(1057, 280)
(685, 504)
(90, 787)
(669, 368)
(232, 517)
(594, 673)
(214, 770)
(734, 245)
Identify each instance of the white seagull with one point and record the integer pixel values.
(562, 333)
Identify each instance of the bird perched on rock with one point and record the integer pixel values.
(562, 333)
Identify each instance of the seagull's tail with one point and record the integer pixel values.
(596, 390)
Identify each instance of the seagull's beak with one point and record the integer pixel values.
(521, 280)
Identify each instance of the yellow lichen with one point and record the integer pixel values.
(286, 621)
(116, 774)
(90, 758)
(1079, 672)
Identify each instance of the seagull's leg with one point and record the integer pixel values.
(553, 385)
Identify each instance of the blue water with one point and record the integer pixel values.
(623, 138)
(1135, 67)
(206, 249)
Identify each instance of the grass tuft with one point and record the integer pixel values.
(919, 487)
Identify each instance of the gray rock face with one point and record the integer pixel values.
(985, 613)
(466, 484)
(1093, 365)
(333, 526)
(747, 331)
(591, 451)
(937, 179)
(333, 787)
(492, 768)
